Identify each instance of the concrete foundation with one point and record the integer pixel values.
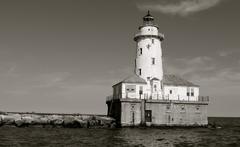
(135, 112)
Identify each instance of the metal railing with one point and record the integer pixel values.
(203, 98)
(166, 98)
(142, 34)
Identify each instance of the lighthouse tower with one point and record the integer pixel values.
(148, 62)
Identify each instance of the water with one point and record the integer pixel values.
(227, 136)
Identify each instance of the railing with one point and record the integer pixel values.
(142, 34)
(203, 98)
(166, 98)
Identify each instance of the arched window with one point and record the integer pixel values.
(153, 61)
(140, 71)
(140, 50)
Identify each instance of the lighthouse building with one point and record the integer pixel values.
(148, 97)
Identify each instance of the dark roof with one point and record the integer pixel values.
(155, 79)
(148, 16)
(176, 81)
(133, 79)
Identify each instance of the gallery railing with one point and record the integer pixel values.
(167, 98)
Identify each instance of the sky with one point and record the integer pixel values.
(65, 55)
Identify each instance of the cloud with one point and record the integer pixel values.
(224, 53)
(190, 66)
(204, 70)
(182, 7)
(28, 84)
(49, 79)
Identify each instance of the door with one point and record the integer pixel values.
(140, 92)
(133, 118)
(148, 115)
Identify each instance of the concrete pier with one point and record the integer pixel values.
(159, 112)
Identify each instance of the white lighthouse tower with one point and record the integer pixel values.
(148, 63)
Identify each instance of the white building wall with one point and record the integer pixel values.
(150, 49)
(134, 94)
(180, 93)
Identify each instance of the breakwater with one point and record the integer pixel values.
(20, 119)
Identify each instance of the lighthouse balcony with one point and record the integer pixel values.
(138, 36)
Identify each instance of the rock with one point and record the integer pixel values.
(71, 122)
(43, 120)
(19, 123)
(84, 124)
(85, 117)
(27, 120)
(57, 122)
(9, 119)
(36, 119)
(113, 125)
(1, 123)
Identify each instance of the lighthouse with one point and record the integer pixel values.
(148, 63)
(150, 97)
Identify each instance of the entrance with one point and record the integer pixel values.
(133, 120)
(148, 115)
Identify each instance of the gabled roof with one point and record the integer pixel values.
(133, 79)
(176, 81)
(155, 79)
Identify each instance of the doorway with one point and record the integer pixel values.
(148, 115)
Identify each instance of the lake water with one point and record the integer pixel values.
(227, 136)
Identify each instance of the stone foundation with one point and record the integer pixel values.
(135, 112)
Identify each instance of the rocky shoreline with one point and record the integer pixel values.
(56, 120)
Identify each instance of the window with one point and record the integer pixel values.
(148, 46)
(140, 50)
(152, 41)
(140, 90)
(148, 78)
(168, 107)
(130, 88)
(192, 92)
(182, 107)
(188, 91)
(153, 61)
(140, 71)
(155, 87)
(132, 107)
(197, 108)
(170, 91)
